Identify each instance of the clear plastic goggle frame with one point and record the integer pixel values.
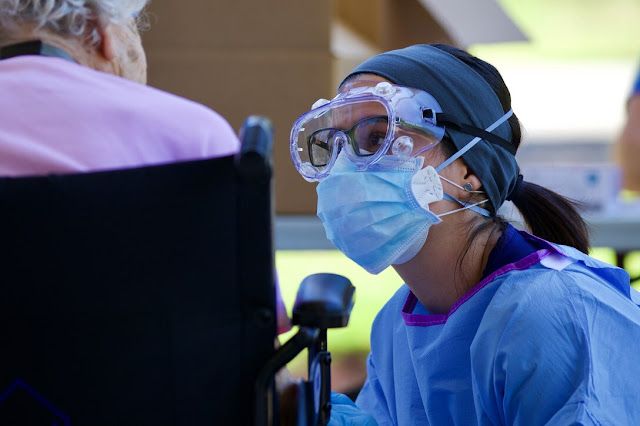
(368, 119)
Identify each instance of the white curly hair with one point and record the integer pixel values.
(67, 17)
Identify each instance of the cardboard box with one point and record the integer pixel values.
(247, 57)
(239, 24)
(278, 85)
(596, 186)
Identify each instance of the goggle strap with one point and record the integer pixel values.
(473, 141)
(467, 206)
(458, 154)
(443, 118)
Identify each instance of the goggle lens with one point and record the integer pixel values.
(366, 137)
(320, 145)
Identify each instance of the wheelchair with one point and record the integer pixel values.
(146, 296)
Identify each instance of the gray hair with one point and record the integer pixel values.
(66, 17)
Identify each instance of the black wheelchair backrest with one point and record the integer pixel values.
(136, 297)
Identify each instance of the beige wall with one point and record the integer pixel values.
(267, 57)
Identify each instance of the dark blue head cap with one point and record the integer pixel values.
(464, 95)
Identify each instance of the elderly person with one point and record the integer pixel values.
(72, 75)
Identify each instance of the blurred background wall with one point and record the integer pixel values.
(246, 57)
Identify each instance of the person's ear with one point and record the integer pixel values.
(106, 46)
(471, 181)
(462, 175)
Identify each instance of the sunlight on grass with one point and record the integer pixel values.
(604, 254)
(372, 291)
(631, 262)
(632, 265)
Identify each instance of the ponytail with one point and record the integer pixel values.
(551, 216)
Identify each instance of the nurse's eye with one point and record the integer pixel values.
(375, 139)
(369, 134)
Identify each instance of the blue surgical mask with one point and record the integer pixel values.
(379, 217)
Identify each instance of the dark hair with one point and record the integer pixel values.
(548, 214)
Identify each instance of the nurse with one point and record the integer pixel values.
(414, 157)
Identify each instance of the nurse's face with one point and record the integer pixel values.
(432, 157)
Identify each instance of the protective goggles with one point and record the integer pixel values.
(368, 120)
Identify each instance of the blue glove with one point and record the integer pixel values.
(345, 413)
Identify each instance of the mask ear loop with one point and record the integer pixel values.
(473, 207)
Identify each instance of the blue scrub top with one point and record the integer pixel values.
(551, 336)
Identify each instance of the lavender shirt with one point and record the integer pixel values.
(58, 116)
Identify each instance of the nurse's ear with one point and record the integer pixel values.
(461, 174)
(472, 182)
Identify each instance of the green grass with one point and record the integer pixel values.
(372, 291)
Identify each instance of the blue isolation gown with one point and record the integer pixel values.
(551, 337)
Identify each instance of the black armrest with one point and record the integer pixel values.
(323, 301)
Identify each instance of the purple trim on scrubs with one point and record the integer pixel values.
(411, 319)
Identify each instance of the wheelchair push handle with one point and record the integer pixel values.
(256, 136)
